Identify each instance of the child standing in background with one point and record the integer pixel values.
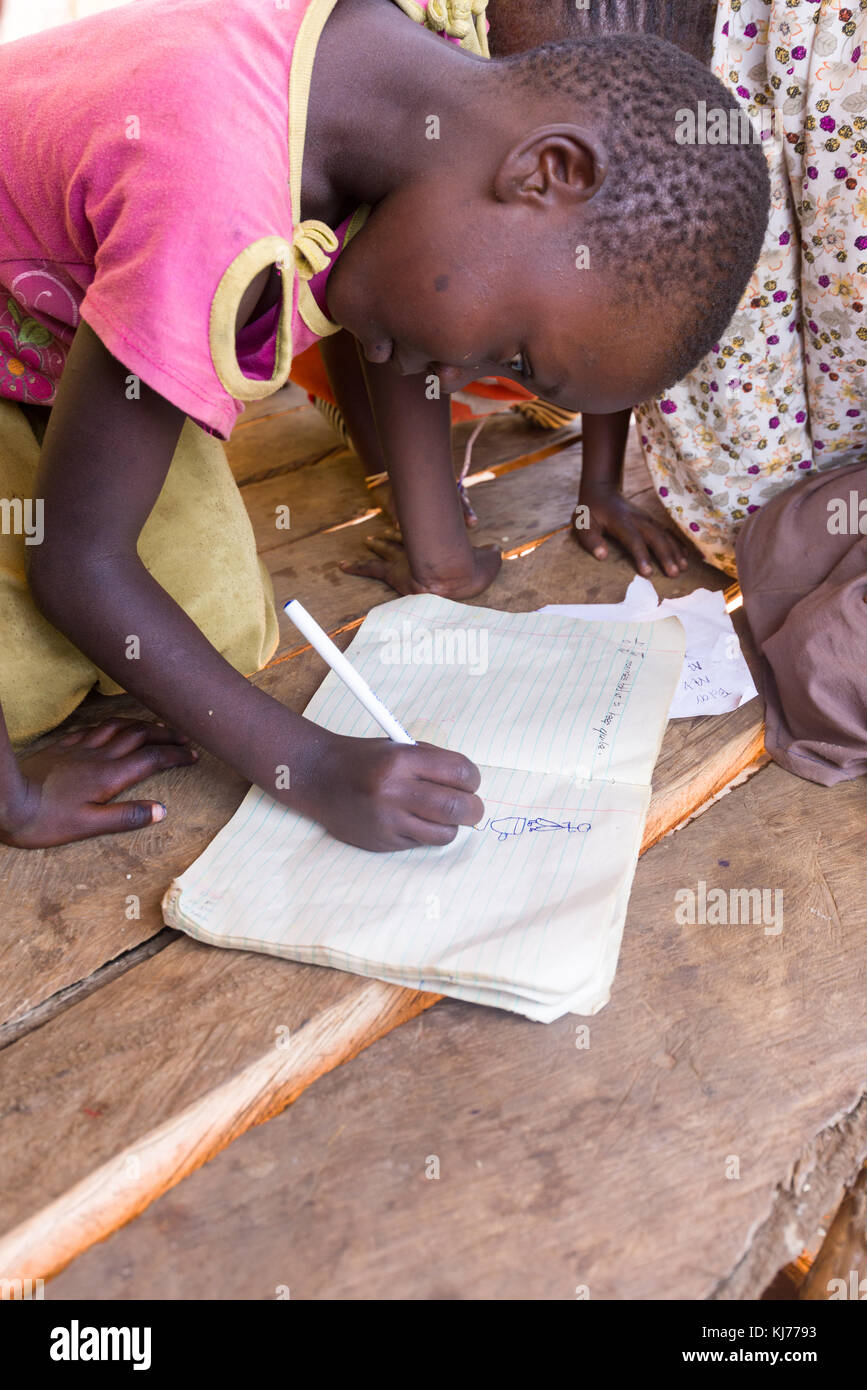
(159, 247)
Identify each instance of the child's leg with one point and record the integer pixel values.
(198, 543)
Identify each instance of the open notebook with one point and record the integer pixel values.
(526, 910)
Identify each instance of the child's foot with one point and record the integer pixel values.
(64, 788)
(390, 563)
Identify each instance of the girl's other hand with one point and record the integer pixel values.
(65, 787)
(639, 534)
(391, 565)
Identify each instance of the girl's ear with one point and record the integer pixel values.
(554, 163)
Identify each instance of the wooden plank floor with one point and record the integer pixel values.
(133, 1055)
(724, 1051)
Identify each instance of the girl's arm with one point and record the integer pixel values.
(602, 509)
(104, 461)
(415, 436)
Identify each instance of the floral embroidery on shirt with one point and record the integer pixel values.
(30, 357)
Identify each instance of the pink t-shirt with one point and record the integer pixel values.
(149, 168)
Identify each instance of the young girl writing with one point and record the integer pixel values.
(159, 249)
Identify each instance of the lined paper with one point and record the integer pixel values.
(525, 911)
(715, 677)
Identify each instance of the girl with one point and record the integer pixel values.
(163, 260)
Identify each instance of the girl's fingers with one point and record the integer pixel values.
(678, 554)
(446, 768)
(119, 774)
(120, 816)
(677, 544)
(440, 806)
(386, 549)
(425, 832)
(633, 543)
(136, 735)
(666, 550)
(101, 733)
(69, 739)
(471, 520)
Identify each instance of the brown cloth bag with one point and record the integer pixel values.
(804, 581)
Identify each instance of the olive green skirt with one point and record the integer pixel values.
(197, 543)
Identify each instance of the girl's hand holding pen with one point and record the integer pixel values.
(377, 794)
(382, 795)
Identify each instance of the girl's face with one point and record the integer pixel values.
(463, 288)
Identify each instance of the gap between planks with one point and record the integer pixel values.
(56, 1003)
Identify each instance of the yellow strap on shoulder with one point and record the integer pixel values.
(313, 245)
(463, 20)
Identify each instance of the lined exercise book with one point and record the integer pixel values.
(524, 911)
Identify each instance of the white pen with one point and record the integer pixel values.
(322, 643)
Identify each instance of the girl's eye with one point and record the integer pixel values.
(518, 364)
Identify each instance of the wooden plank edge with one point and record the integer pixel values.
(115, 1192)
(742, 757)
(841, 1263)
(62, 999)
(814, 1184)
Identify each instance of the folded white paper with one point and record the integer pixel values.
(715, 678)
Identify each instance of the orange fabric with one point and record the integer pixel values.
(500, 388)
(308, 372)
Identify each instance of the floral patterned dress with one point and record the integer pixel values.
(783, 395)
(31, 356)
